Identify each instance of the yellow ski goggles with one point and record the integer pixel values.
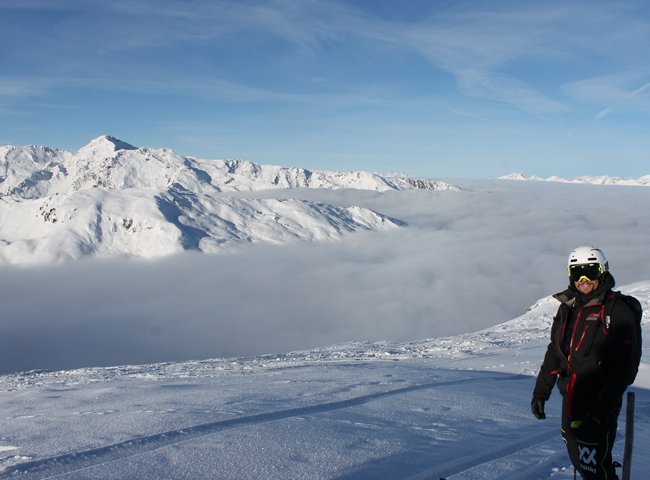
(590, 271)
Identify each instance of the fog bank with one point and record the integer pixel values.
(465, 261)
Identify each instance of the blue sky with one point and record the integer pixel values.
(437, 89)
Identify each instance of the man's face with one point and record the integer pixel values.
(586, 277)
(586, 286)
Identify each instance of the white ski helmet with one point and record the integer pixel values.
(586, 255)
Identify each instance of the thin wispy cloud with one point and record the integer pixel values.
(525, 67)
(477, 47)
(615, 93)
(631, 101)
(480, 48)
(22, 87)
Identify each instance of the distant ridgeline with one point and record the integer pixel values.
(601, 180)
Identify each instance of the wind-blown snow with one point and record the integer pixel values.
(456, 407)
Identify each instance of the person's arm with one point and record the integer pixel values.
(547, 375)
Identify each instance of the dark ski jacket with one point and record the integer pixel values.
(592, 356)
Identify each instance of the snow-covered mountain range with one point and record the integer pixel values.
(593, 180)
(111, 198)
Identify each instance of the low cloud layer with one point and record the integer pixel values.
(465, 261)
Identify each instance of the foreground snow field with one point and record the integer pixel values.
(456, 407)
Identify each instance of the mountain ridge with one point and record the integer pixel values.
(112, 198)
(593, 180)
(108, 162)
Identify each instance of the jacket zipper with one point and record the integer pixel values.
(569, 390)
(584, 333)
(572, 381)
(573, 334)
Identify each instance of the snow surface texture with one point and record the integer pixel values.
(456, 407)
(112, 199)
(597, 180)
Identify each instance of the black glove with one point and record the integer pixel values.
(537, 406)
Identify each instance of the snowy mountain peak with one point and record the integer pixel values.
(112, 199)
(105, 144)
(514, 176)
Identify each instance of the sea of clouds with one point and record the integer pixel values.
(465, 261)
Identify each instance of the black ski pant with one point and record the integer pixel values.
(592, 457)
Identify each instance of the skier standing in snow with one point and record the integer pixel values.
(593, 356)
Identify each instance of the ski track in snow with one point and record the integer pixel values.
(73, 462)
(459, 468)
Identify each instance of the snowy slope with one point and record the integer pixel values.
(594, 180)
(111, 198)
(455, 407)
(147, 222)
